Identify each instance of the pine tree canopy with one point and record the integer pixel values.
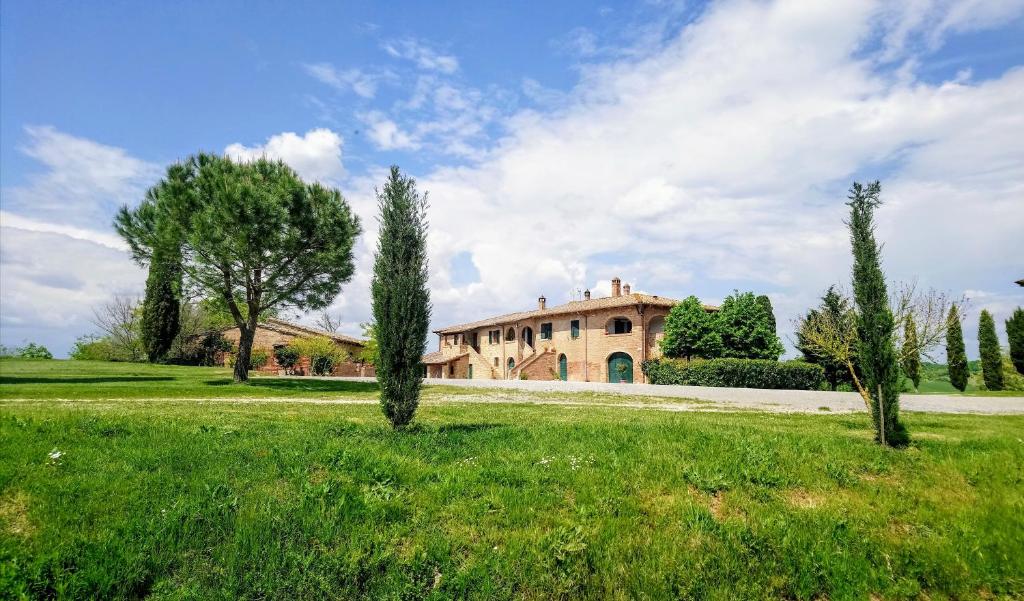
(253, 234)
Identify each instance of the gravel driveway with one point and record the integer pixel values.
(752, 398)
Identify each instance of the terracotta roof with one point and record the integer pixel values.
(580, 306)
(438, 357)
(295, 329)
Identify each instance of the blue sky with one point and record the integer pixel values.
(688, 148)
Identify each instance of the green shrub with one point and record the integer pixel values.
(204, 350)
(258, 358)
(34, 351)
(94, 348)
(323, 353)
(736, 373)
(322, 365)
(286, 357)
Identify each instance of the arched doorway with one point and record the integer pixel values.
(511, 364)
(620, 368)
(527, 335)
(563, 368)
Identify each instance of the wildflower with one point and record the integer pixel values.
(55, 456)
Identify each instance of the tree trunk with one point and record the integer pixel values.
(246, 335)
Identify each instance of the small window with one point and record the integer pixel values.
(620, 325)
(511, 363)
(451, 369)
(545, 331)
(574, 328)
(495, 362)
(510, 335)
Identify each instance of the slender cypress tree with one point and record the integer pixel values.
(1015, 334)
(911, 354)
(956, 355)
(988, 348)
(875, 323)
(401, 301)
(161, 308)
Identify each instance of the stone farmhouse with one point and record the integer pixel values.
(592, 340)
(273, 333)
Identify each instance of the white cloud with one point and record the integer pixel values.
(422, 55)
(316, 155)
(83, 183)
(362, 83)
(103, 238)
(724, 156)
(385, 133)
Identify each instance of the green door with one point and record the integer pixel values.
(469, 374)
(563, 368)
(620, 368)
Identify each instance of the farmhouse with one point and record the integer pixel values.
(273, 333)
(592, 340)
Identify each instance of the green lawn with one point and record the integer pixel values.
(283, 499)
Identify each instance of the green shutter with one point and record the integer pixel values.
(575, 328)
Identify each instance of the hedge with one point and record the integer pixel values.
(736, 373)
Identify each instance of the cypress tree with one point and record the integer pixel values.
(1015, 334)
(988, 348)
(956, 355)
(401, 301)
(911, 354)
(875, 323)
(161, 308)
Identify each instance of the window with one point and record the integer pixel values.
(451, 369)
(511, 363)
(510, 335)
(495, 362)
(545, 331)
(574, 328)
(493, 336)
(619, 325)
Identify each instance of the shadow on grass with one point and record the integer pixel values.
(82, 380)
(296, 384)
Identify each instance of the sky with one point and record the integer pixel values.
(685, 147)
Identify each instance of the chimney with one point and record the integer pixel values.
(586, 295)
(542, 302)
(616, 287)
(625, 289)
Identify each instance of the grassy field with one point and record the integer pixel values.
(126, 490)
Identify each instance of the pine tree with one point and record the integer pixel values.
(875, 323)
(836, 309)
(911, 354)
(1015, 335)
(252, 235)
(690, 331)
(956, 355)
(988, 348)
(401, 301)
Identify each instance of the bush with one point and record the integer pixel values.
(94, 348)
(736, 373)
(323, 353)
(34, 351)
(258, 358)
(204, 349)
(286, 357)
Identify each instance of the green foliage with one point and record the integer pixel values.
(95, 348)
(286, 357)
(691, 332)
(746, 324)
(956, 354)
(370, 352)
(204, 349)
(253, 234)
(911, 358)
(30, 351)
(988, 348)
(736, 373)
(161, 307)
(1015, 335)
(258, 359)
(401, 300)
(836, 309)
(323, 353)
(875, 323)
